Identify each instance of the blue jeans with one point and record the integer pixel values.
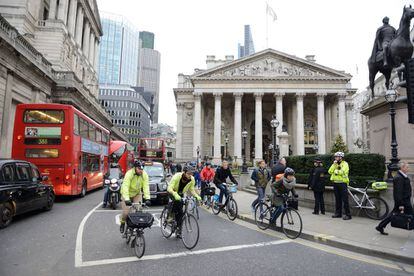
(260, 197)
(106, 195)
(223, 191)
(276, 214)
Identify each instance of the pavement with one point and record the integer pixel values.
(358, 235)
(79, 237)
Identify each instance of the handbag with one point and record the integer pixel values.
(402, 221)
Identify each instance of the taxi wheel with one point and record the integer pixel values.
(6, 215)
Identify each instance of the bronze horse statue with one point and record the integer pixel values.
(397, 52)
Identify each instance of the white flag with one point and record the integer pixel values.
(270, 12)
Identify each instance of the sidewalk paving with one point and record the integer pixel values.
(358, 235)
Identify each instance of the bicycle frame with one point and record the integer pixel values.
(359, 202)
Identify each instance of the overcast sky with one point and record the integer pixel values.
(339, 33)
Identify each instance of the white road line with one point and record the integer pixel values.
(181, 254)
(79, 237)
(119, 211)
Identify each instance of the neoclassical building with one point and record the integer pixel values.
(214, 106)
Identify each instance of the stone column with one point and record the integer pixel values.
(300, 132)
(342, 115)
(72, 16)
(349, 107)
(258, 144)
(6, 118)
(96, 55)
(321, 122)
(91, 51)
(79, 26)
(179, 136)
(217, 127)
(86, 38)
(197, 124)
(63, 10)
(52, 9)
(238, 127)
(279, 113)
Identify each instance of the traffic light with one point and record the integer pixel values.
(410, 90)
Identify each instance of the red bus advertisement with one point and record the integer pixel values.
(65, 144)
(151, 149)
(121, 153)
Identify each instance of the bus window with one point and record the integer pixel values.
(38, 116)
(92, 133)
(76, 124)
(105, 138)
(83, 128)
(98, 136)
(42, 153)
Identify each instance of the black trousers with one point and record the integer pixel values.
(408, 210)
(319, 202)
(341, 197)
(203, 186)
(177, 209)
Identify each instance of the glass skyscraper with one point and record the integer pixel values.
(248, 48)
(147, 39)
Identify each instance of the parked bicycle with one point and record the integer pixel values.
(291, 221)
(190, 231)
(374, 207)
(230, 205)
(136, 222)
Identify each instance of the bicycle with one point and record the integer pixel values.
(374, 207)
(291, 221)
(193, 207)
(230, 204)
(190, 231)
(209, 193)
(136, 222)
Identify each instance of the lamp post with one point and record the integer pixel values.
(274, 123)
(226, 153)
(244, 166)
(391, 97)
(198, 155)
(270, 154)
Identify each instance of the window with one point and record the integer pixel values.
(42, 153)
(76, 124)
(23, 172)
(92, 132)
(83, 128)
(35, 173)
(98, 135)
(44, 116)
(105, 138)
(8, 173)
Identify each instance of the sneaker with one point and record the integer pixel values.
(381, 230)
(104, 205)
(347, 217)
(315, 213)
(322, 212)
(122, 227)
(336, 216)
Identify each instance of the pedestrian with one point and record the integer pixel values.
(402, 197)
(339, 171)
(197, 177)
(261, 176)
(279, 169)
(316, 182)
(207, 175)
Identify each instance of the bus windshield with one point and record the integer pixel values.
(44, 116)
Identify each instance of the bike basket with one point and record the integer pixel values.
(293, 203)
(379, 186)
(140, 220)
(210, 191)
(233, 189)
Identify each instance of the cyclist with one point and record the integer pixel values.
(220, 177)
(181, 183)
(282, 188)
(207, 175)
(135, 181)
(339, 171)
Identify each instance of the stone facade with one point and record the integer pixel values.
(244, 94)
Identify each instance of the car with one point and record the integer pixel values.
(157, 181)
(22, 190)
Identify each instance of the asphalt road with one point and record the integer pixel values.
(45, 243)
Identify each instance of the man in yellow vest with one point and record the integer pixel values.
(339, 172)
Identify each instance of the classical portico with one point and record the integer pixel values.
(308, 99)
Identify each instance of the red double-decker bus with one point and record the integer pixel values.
(121, 154)
(64, 143)
(151, 149)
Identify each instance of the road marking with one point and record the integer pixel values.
(181, 254)
(79, 237)
(119, 211)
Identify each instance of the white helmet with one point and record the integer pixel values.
(339, 154)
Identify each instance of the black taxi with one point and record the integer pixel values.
(157, 181)
(21, 190)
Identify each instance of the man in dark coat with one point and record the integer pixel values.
(279, 168)
(402, 197)
(220, 177)
(316, 182)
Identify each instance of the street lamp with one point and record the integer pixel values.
(274, 123)
(226, 140)
(270, 154)
(391, 97)
(244, 135)
(198, 155)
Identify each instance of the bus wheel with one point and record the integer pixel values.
(83, 191)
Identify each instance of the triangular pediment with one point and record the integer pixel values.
(271, 63)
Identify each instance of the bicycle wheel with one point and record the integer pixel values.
(190, 231)
(291, 223)
(232, 209)
(262, 219)
(376, 208)
(166, 228)
(215, 207)
(139, 245)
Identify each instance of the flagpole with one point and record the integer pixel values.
(267, 26)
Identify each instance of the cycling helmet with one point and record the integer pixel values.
(138, 164)
(289, 171)
(188, 169)
(339, 154)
